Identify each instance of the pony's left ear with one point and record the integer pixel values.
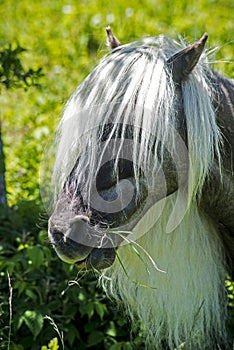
(182, 63)
(112, 41)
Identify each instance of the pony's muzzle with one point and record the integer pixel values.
(81, 245)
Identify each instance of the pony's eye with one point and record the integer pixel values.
(110, 173)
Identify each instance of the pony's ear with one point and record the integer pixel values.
(112, 41)
(183, 62)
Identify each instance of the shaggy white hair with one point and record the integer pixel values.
(133, 86)
(182, 300)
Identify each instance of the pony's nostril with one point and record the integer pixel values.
(56, 236)
(79, 218)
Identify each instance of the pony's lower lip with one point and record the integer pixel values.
(98, 259)
(81, 264)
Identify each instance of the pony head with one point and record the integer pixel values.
(122, 145)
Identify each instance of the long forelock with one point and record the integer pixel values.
(133, 86)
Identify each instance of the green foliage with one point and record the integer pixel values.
(33, 320)
(53, 345)
(12, 73)
(44, 304)
(67, 39)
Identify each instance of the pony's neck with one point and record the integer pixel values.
(225, 114)
(218, 191)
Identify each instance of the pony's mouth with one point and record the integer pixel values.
(98, 259)
(83, 245)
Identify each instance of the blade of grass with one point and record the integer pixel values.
(10, 311)
(60, 334)
(130, 279)
(141, 248)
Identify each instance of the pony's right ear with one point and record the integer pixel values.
(182, 63)
(112, 41)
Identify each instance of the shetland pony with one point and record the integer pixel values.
(144, 188)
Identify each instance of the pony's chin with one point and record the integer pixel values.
(98, 259)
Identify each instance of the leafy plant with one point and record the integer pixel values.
(12, 72)
(49, 300)
(53, 345)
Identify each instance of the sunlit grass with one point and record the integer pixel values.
(67, 39)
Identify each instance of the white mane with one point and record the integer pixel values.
(133, 85)
(184, 306)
